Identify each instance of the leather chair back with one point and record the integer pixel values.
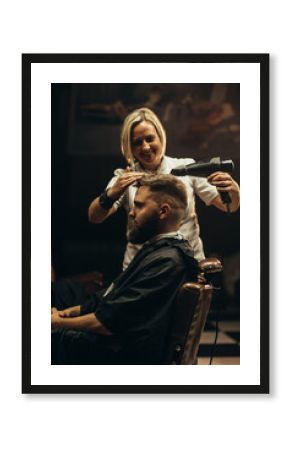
(189, 315)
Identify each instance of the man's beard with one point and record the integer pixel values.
(138, 234)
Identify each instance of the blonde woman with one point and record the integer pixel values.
(143, 144)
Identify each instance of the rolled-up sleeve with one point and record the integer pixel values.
(204, 189)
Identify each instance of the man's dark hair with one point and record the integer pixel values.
(169, 188)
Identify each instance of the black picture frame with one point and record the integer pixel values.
(260, 59)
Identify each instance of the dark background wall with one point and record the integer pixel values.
(201, 121)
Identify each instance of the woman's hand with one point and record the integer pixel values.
(126, 179)
(225, 183)
(96, 213)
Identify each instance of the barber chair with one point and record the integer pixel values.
(190, 313)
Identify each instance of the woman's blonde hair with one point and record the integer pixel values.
(134, 118)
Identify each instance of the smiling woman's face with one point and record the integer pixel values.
(146, 146)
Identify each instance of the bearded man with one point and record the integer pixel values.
(128, 323)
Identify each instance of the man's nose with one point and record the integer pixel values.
(132, 212)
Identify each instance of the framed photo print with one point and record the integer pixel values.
(145, 223)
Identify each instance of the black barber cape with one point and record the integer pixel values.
(137, 307)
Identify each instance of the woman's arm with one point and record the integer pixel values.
(97, 213)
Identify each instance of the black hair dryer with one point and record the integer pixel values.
(204, 169)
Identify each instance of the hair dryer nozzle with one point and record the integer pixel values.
(204, 169)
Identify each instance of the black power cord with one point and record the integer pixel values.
(213, 347)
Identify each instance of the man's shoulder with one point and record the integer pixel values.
(175, 251)
(166, 251)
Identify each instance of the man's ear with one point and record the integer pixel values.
(165, 210)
